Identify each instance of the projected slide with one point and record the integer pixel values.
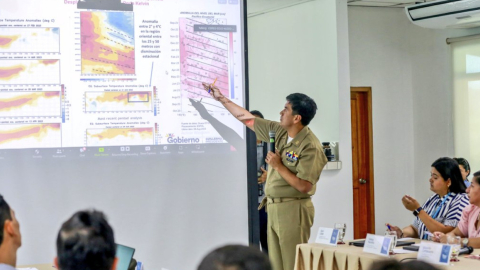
(29, 40)
(24, 104)
(119, 136)
(203, 58)
(30, 136)
(108, 43)
(30, 71)
(118, 101)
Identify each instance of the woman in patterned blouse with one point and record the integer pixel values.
(442, 211)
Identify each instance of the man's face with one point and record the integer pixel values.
(286, 116)
(16, 229)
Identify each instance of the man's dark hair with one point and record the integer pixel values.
(235, 257)
(464, 163)
(396, 265)
(476, 177)
(258, 113)
(86, 242)
(448, 168)
(304, 106)
(4, 215)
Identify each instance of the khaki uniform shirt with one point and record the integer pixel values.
(303, 156)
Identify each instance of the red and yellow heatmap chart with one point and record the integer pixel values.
(30, 104)
(30, 136)
(119, 136)
(118, 101)
(30, 71)
(30, 40)
(107, 42)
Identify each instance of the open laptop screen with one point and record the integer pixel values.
(124, 255)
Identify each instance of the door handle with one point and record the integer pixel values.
(362, 181)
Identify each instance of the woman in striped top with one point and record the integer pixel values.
(442, 211)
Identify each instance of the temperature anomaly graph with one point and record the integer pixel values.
(119, 136)
(118, 101)
(30, 104)
(29, 40)
(203, 58)
(30, 71)
(30, 136)
(107, 43)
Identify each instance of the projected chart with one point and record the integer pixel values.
(30, 71)
(21, 104)
(30, 136)
(29, 40)
(107, 43)
(203, 58)
(119, 136)
(118, 101)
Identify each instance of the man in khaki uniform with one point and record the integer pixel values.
(293, 172)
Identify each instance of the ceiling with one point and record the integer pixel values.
(256, 7)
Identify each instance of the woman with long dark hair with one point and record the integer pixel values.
(442, 211)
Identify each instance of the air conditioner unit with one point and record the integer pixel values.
(443, 14)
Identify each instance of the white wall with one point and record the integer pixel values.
(304, 48)
(408, 68)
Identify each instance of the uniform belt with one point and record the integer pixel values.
(279, 200)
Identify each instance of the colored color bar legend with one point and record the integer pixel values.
(155, 101)
(232, 86)
(63, 103)
(156, 133)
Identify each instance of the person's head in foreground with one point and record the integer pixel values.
(299, 110)
(86, 242)
(396, 265)
(10, 237)
(235, 257)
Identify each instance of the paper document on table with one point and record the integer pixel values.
(402, 251)
(30, 268)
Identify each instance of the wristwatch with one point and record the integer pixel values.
(465, 242)
(417, 211)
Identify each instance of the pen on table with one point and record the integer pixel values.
(210, 88)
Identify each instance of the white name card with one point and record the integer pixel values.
(327, 236)
(377, 244)
(434, 253)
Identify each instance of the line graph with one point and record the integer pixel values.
(204, 57)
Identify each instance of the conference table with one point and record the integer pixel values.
(346, 257)
(45, 266)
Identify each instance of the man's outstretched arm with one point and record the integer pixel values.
(238, 112)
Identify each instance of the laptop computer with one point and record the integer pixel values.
(361, 243)
(124, 255)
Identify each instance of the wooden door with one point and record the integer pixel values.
(362, 162)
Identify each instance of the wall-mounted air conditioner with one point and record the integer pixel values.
(443, 14)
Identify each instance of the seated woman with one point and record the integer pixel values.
(442, 211)
(469, 225)
(464, 169)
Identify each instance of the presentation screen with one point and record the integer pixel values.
(102, 107)
(118, 78)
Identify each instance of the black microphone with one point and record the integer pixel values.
(465, 250)
(271, 146)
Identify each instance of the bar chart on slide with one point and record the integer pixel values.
(29, 40)
(205, 56)
(30, 104)
(30, 136)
